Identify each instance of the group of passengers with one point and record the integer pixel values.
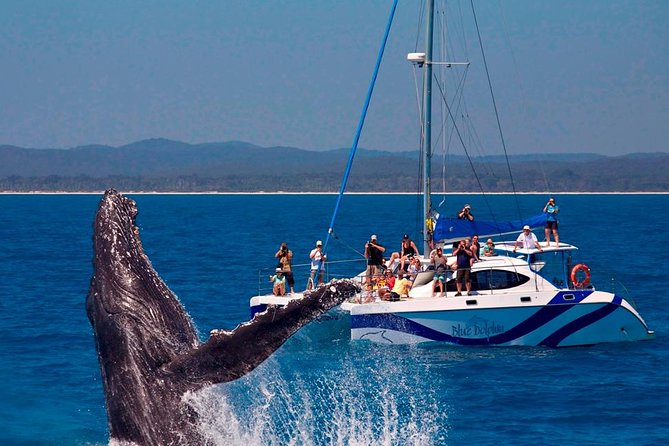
(389, 287)
(380, 278)
(408, 256)
(465, 254)
(284, 272)
(379, 275)
(527, 238)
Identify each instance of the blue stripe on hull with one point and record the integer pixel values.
(545, 314)
(575, 297)
(582, 322)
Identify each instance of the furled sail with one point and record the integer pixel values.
(448, 228)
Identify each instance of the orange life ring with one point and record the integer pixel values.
(580, 267)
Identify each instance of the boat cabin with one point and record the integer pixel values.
(506, 271)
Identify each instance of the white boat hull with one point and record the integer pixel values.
(562, 319)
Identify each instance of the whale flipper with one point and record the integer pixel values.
(148, 348)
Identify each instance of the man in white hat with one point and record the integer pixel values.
(317, 259)
(466, 213)
(527, 239)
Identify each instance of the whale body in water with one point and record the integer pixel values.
(147, 345)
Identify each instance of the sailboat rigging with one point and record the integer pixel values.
(527, 296)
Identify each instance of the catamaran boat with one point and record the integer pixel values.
(531, 297)
(527, 297)
(521, 297)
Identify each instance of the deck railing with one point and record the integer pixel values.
(335, 269)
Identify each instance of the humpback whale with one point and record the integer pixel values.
(148, 349)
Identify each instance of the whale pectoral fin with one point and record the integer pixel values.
(227, 356)
(148, 349)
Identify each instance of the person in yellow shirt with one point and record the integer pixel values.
(401, 288)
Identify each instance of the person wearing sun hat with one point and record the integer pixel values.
(489, 248)
(279, 286)
(317, 259)
(527, 239)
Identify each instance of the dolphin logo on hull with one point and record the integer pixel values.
(148, 349)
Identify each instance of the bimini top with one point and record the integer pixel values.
(450, 229)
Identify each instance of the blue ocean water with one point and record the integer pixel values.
(320, 388)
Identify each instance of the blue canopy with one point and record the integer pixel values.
(448, 228)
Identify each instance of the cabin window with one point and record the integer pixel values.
(492, 280)
(554, 270)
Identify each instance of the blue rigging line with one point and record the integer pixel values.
(354, 147)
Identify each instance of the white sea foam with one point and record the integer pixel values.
(353, 406)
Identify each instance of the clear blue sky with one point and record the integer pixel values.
(573, 75)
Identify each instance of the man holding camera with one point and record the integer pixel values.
(551, 210)
(374, 255)
(285, 257)
(463, 260)
(466, 213)
(317, 259)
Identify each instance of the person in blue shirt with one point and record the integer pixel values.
(278, 283)
(551, 210)
(489, 248)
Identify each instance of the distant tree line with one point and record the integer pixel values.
(171, 166)
(640, 177)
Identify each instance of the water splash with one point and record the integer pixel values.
(364, 397)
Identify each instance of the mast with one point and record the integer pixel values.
(427, 130)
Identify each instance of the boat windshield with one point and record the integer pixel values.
(553, 263)
(552, 266)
